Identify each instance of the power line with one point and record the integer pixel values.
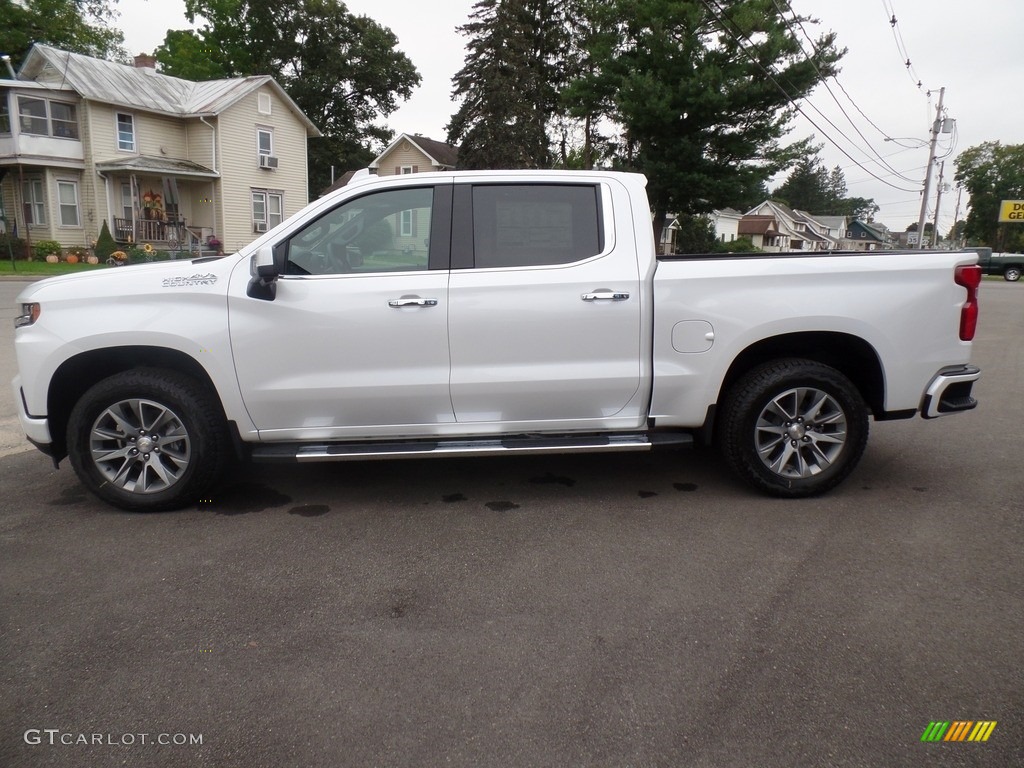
(901, 45)
(716, 14)
(824, 81)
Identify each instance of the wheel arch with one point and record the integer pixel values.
(852, 356)
(77, 374)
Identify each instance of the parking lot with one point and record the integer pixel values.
(612, 610)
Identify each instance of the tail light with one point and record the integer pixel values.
(969, 276)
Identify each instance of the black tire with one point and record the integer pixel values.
(1012, 274)
(148, 439)
(793, 428)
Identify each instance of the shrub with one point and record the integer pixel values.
(740, 245)
(10, 244)
(44, 248)
(105, 244)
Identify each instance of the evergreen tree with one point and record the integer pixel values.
(588, 100)
(703, 91)
(809, 187)
(509, 83)
(105, 244)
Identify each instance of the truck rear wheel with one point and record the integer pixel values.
(793, 428)
(1012, 274)
(148, 440)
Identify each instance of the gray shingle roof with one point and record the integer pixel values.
(144, 89)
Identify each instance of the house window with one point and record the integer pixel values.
(406, 227)
(64, 120)
(40, 117)
(5, 115)
(67, 200)
(263, 103)
(33, 116)
(264, 141)
(33, 201)
(267, 209)
(406, 169)
(126, 201)
(125, 132)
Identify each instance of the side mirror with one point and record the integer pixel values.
(263, 284)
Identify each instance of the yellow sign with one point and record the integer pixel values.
(1012, 210)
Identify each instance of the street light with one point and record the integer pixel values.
(898, 139)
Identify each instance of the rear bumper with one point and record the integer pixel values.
(950, 391)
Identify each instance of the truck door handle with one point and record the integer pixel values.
(412, 301)
(604, 296)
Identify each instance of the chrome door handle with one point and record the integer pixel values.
(604, 296)
(412, 301)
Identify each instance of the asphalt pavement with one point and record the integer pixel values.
(626, 610)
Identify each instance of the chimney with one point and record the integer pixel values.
(145, 61)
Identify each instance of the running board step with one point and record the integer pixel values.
(309, 452)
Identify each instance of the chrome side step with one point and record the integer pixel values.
(310, 452)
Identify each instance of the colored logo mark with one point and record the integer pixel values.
(959, 730)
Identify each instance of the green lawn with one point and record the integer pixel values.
(43, 268)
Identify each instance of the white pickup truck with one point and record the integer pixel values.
(485, 313)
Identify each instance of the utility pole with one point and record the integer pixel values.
(936, 127)
(956, 217)
(938, 200)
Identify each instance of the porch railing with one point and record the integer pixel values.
(172, 235)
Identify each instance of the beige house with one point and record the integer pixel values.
(162, 160)
(411, 153)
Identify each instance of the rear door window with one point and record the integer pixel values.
(528, 225)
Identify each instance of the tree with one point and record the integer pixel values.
(509, 83)
(588, 98)
(79, 26)
(809, 187)
(992, 172)
(344, 71)
(703, 92)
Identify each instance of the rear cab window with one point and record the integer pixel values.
(529, 225)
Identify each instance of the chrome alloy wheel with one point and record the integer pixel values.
(140, 446)
(800, 432)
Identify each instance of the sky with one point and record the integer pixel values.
(970, 49)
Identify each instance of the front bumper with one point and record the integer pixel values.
(36, 428)
(950, 391)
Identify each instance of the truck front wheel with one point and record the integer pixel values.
(148, 440)
(1012, 274)
(793, 428)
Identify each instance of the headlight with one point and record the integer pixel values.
(29, 314)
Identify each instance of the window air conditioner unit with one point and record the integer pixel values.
(268, 161)
(261, 226)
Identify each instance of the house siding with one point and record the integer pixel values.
(168, 148)
(241, 174)
(405, 154)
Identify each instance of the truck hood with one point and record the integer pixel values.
(210, 273)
